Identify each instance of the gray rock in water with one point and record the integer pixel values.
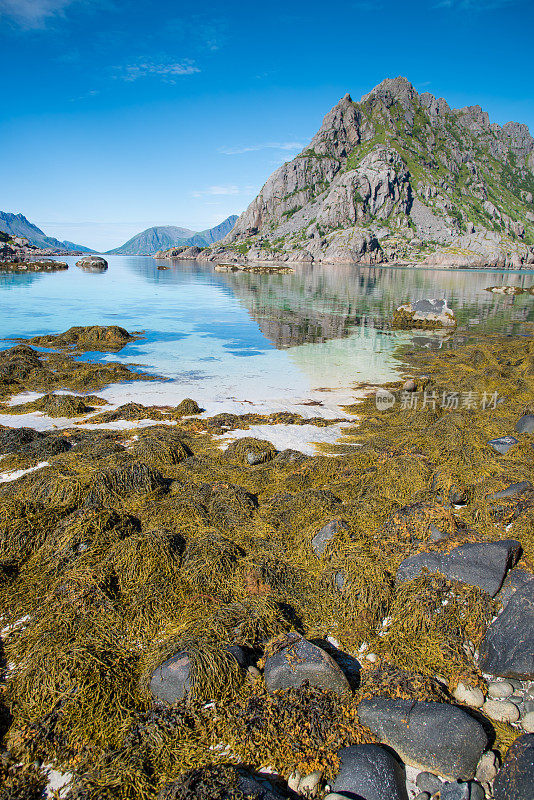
(432, 311)
(297, 661)
(503, 443)
(434, 736)
(525, 424)
(515, 779)
(513, 490)
(92, 263)
(483, 565)
(369, 772)
(506, 649)
(326, 534)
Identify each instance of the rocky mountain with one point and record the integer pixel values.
(163, 237)
(18, 225)
(398, 177)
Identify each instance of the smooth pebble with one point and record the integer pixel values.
(501, 711)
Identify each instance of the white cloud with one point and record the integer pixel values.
(167, 70)
(34, 14)
(251, 148)
(219, 191)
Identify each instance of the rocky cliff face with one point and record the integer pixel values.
(398, 177)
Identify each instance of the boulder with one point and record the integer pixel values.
(437, 737)
(525, 424)
(370, 772)
(321, 539)
(92, 263)
(296, 661)
(514, 490)
(431, 313)
(515, 579)
(173, 680)
(515, 779)
(506, 649)
(480, 564)
(502, 444)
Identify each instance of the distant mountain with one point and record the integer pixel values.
(163, 237)
(147, 242)
(205, 238)
(18, 225)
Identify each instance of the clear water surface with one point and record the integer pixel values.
(268, 340)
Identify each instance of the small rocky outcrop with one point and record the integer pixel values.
(91, 263)
(297, 660)
(424, 314)
(480, 564)
(506, 649)
(515, 779)
(371, 772)
(435, 736)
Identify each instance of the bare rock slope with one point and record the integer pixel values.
(398, 177)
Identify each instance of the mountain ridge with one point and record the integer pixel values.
(19, 225)
(398, 177)
(164, 237)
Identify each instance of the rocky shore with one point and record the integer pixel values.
(181, 621)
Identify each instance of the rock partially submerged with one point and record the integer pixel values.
(92, 263)
(33, 266)
(261, 269)
(424, 314)
(102, 338)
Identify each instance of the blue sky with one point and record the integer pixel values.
(116, 116)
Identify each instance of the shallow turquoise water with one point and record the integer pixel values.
(268, 339)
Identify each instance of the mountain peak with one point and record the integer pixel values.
(398, 177)
(391, 90)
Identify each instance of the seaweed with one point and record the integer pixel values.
(103, 338)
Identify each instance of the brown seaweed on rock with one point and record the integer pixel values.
(103, 338)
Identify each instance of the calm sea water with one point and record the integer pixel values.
(267, 339)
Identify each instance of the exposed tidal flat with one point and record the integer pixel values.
(179, 618)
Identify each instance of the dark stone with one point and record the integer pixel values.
(436, 535)
(438, 737)
(350, 666)
(369, 772)
(506, 649)
(512, 491)
(326, 534)
(515, 579)
(455, 791)
(290, 456)
(297, 661)
(525, 424)
(480, 564)
(172, 680)
(503, 443)
(428, 782)
(515, 779)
